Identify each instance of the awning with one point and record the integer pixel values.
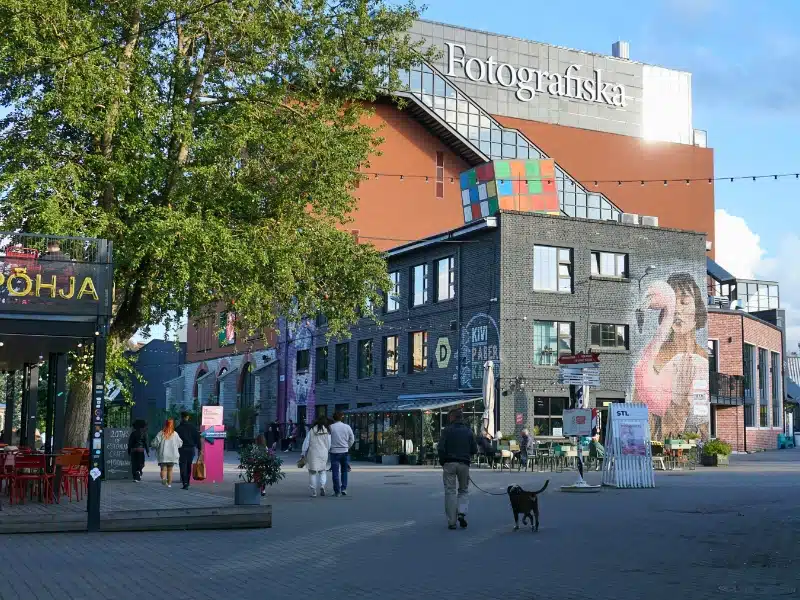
(792, 390)
(411, 405)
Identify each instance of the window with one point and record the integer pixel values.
(303, 360)
(548, 415)
(226, 332)
(606, 335)
(776, 389)
(391, 351)
(550, 340)
(749, 395)
(713, 352)
(445, 279)
(440, 174)
(609, 264)
(247, 386)
(552, 269)
(321, 374)
(340, 408)
(763, 387)
(393, 297)
(419, 285)
(342, 362)
(418, 342)
(364, 359)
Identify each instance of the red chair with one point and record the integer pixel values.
(6, 470)
(30, 470)
(71, 476)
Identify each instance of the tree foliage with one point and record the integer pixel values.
(216, 143)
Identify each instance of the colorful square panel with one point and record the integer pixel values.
(502, 169)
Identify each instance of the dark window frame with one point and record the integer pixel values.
(321, 365)
(568, 264)
(413, 284)
(365, 360)
(538, 355)
(393, 297)
(413, 367)
(303, 361)
(451, 278)
(603, 332)
(394, 371)
(342, 359)
(597, 261)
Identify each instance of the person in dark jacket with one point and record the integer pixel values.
(137, 447)
(456, 449)
(191, 440)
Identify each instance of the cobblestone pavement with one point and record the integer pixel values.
(710, 533)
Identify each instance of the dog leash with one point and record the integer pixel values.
(484, 491)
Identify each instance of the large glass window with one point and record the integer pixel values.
(321, 367)
(548, 415)
(480, 128)
(393, 297)
(418, 341)
(748, 370)
(609, 264)
(757, 296)
(419, 285)
(364, 359)
(550, 340)
(303, 360)
(609, 335)
(763, 387)
(391, 354)
(552, 269)
(342, 362)
(445, 279)
(776, 389)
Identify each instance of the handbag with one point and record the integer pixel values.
(301, 463)
(199, 470)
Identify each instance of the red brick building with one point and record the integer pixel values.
(746, 379)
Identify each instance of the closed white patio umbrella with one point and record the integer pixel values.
(488, 398)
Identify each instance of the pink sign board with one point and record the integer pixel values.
(212, 415)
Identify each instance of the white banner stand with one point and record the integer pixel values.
(628, 460)
(578, 423)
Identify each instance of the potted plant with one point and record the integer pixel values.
(391, 447)
(258, 468)
(691, 437)
(715, 453)
(413, 459)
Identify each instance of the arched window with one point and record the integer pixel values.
(218, 383)
(248, 384)
(200, 373)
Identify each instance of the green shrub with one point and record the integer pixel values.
(690, 435)
(716, 447)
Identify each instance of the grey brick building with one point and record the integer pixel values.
(520, 289)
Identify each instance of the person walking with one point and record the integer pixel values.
(273, 434)
(137, 448)
(316, 451)
(527, 448)
(287, 437)
(190, 439)
(456, 448)
(167, 444)
(293, 437)
(342, 439)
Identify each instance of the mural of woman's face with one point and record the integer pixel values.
(684, 321)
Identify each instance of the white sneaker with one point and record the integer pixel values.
(313, 494)
(169, 485)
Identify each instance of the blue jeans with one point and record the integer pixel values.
(339, 462)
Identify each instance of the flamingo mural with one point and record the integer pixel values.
(671, 376)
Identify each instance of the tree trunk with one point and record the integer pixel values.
(78, 415)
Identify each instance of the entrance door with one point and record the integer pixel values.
(713, 423)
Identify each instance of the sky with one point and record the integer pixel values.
(744, 59)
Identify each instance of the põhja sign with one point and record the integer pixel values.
(530, 82)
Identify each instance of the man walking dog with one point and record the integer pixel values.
(456, 448)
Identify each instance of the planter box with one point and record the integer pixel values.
(246, 494)
(714, 460)
(390, 459)
(412, 459)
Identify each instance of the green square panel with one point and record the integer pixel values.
(493, 206)
(472, 177)
(502, 170)
(534, 186)
(532, 169)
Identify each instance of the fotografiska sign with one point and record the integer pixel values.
(530, 82)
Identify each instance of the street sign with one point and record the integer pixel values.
(443, 352)
(579, 375)
(579, 359)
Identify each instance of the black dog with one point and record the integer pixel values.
(526, 504)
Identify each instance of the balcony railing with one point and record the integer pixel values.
(726, 389)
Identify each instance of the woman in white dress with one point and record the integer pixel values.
(166, 444)
(316, 451)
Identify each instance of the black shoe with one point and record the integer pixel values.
(344, 493)
(462, 520)
(452, 527)
(186, 487)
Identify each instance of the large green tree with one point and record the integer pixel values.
(215, 142)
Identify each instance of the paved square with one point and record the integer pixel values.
(711, 533)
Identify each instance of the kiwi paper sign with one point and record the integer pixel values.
(118, 463)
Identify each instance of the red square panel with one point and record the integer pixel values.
(485, 172)
(520, 187)
(476, 210)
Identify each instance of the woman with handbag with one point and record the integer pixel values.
(167, 443)
(316, 454)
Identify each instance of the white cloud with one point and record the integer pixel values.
(739, 251)
(738, 248)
